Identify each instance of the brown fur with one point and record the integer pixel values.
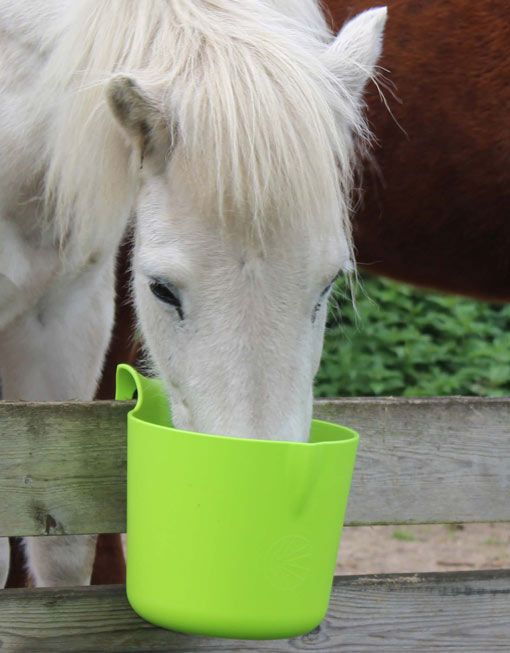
(440, 215)
(109, 565)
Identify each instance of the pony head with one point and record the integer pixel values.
(246, 146)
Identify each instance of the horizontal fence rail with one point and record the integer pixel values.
(63, 466)
(464, 612)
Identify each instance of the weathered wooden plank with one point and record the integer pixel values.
(465, 612)
(428, 460)
(62, 466)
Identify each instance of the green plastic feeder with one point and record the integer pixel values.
(230, 537)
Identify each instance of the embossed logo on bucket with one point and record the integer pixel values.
(287, 562)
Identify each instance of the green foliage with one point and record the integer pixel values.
(408, 342)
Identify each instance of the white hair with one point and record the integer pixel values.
(264, 124)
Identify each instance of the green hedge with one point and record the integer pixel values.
(413, 343)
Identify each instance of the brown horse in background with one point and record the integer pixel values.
(436, 199)
(435, 207)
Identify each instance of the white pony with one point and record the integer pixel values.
(229, 127)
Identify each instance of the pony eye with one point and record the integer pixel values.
(168, 294)
(316, 309)
(326, 290)
(322, 295)
(333, 281)
(318, 306)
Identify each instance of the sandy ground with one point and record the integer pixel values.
(400, 549)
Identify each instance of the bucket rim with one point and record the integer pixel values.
(130, 380)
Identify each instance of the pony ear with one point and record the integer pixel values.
(141, 118)
(354, 53)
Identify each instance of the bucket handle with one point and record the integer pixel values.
(128, 382)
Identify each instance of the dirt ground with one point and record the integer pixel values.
(400, 549)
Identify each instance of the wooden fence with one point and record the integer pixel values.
(62, 471)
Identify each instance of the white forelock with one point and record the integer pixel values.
(263, 123)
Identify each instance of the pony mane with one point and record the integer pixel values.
(263, 123)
